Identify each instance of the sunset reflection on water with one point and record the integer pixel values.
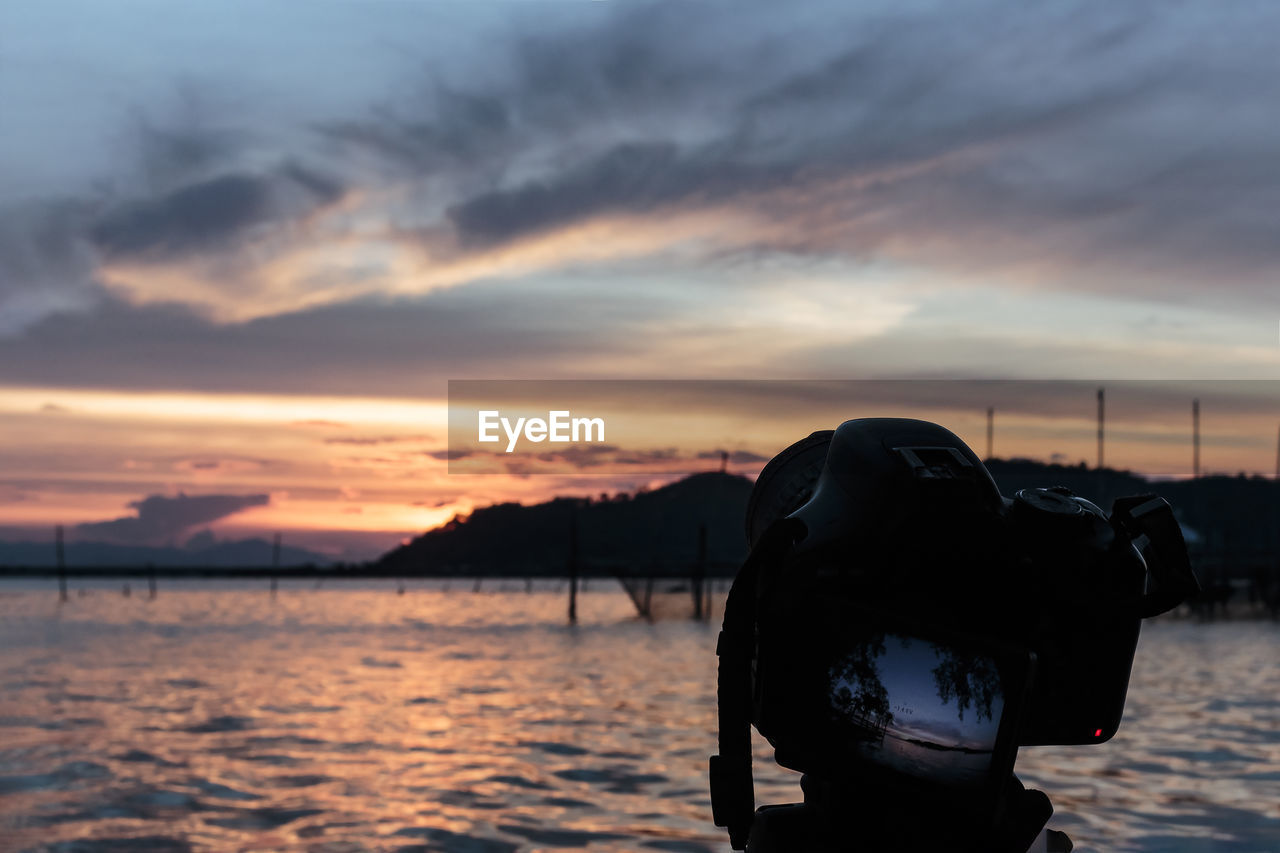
(350, 718)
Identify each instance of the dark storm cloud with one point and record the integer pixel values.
(210, 214)
(190, 189)
(1118, 141)
(159, 519)
(892, 95)
(195, 217)
(632, 178)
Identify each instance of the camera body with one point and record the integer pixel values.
(888, 527)
(904, 515)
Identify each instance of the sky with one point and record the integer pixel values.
(245, 245)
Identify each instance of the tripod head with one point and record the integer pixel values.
(840, 819)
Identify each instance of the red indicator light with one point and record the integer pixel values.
(1098, 733)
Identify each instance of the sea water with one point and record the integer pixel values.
(350, 717)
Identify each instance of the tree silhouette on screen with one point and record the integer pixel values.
(969, 679)
(857, 694)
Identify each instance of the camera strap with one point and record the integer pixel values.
(1149, 522)
(732, 787)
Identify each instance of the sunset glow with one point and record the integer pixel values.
(254, 280)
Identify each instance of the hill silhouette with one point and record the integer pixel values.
(1229, 523)
(1227, 520)
(623, 533)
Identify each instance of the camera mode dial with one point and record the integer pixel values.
(1046, 505)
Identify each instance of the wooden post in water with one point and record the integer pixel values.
(699, 571)
(151, 584)
(573, 564)
(62, 564)
(275, 562)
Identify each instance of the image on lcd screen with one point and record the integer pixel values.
(918, 708)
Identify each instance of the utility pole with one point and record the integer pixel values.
(991, 431)
(1102, 418)
(1196, 439)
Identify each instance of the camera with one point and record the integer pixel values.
(900, 623)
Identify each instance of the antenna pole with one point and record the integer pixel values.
(1195, 439)
(1102, 418)
(991, 431)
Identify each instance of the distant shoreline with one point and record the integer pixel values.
(361, 572)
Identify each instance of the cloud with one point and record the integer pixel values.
(737, 457)
(595, 459)
(449, 455)
(160, 519)
(320, 423)
(1117, 149)
(637, 328)
(352, 348)
(371, 440)
(188, 192)
(223, 465)
(46, 266)
(199, 217)
(632, 178)
(1061, 150)
(435, 504)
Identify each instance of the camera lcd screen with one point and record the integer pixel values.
(926, 709)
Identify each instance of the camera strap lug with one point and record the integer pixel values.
(1149, 522)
